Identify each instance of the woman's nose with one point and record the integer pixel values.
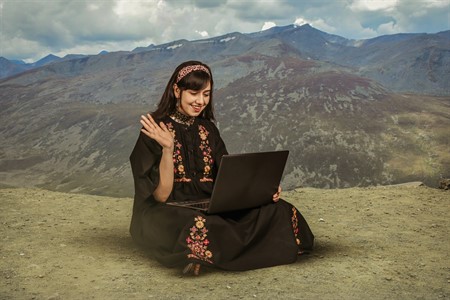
(200, 99)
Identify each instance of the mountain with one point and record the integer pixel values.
(17, 62)
(407, 63)
(46, 60)
(72, 56)
(416, 63)
(71, 125)
(9, 68)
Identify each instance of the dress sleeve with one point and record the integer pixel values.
(145, 159)
(219, 147)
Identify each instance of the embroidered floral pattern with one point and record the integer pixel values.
(180, 173)
(294, 220)
(206, 152)
(197, 241)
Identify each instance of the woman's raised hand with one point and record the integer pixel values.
(159, 133)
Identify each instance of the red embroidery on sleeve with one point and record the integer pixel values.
(206, 152)
(179, 170)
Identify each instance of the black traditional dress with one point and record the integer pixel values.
(270, 235)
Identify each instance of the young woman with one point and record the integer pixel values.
(176, 158)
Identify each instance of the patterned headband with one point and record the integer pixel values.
(188, 69)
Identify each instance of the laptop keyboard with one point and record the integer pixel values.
(202, 204)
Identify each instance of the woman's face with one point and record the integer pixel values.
(193, 102)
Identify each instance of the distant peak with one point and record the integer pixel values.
(51, 56)
(48, 59)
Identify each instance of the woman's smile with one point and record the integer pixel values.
(193, 102)
(198, 108)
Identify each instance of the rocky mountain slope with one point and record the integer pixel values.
(414, 63)
(71, 125)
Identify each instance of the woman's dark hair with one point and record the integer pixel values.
(195, 80)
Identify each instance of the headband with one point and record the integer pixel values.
(188, 69)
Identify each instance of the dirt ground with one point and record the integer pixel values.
(371, 243)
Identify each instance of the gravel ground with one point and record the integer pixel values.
(371, 243)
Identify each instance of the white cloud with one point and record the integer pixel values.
(323, 25)
(39, 27)
(300, 21)
(373, 5)
(388, 28)
(203, 34)
(93, 6)
(23, 48)
(268, 25)
(317, 23)
(437, 3)
(125, 8)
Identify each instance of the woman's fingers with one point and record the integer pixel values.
(145, 122)
(149, 129)
(276, 196)
(163, 126)
(152, 121)
(160, 133)
(149, 124)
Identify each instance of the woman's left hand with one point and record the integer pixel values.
(160, 133)
(276, 196)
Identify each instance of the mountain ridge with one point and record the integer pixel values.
(314, 44)
(71, 125)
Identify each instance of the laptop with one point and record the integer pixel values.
(243, 181)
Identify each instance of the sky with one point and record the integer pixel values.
(32, 29)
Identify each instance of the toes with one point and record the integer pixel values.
(197, 269)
